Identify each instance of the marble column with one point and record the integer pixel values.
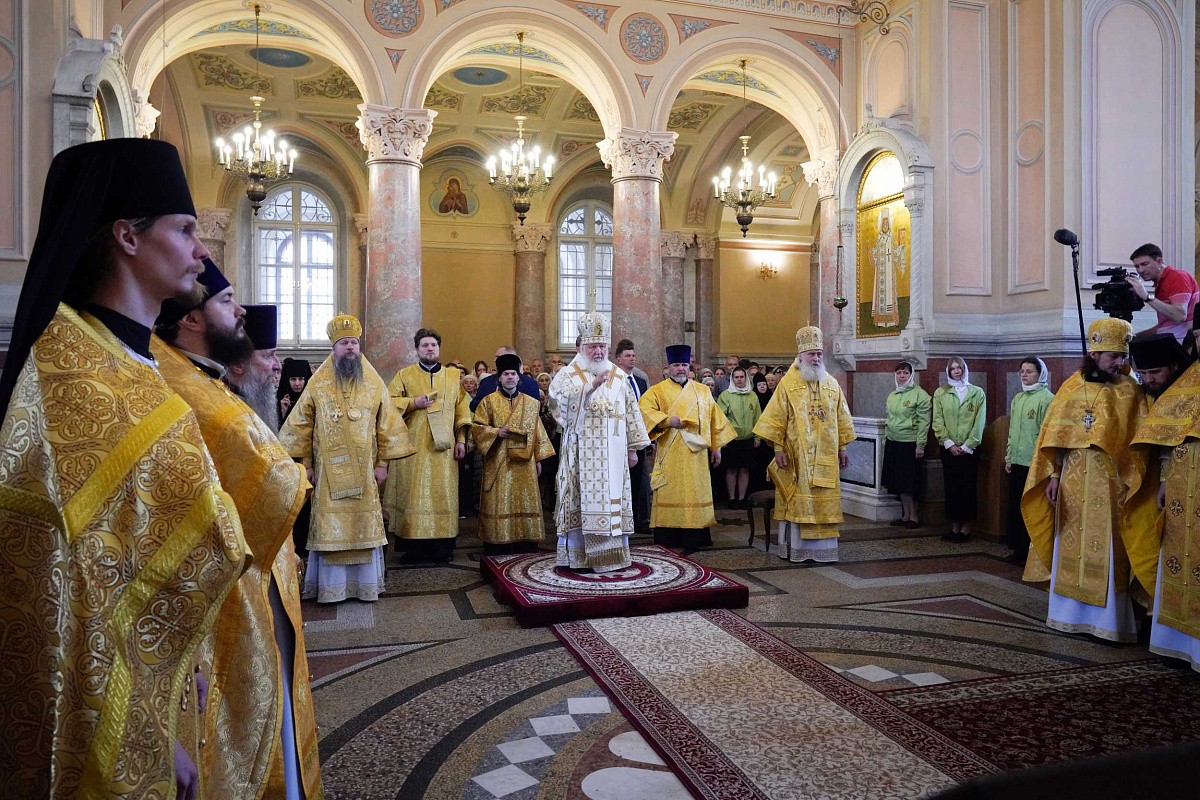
(529, 309)
(353, 282)
(636, 159)
(674, 250)
(213, 226)
(822, 174)
(395, 139)
(706, 338)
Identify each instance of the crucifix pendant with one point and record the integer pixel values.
(1089, 419)
(335, 414)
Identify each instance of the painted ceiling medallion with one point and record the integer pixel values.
(644, 38)
(480, 76)
(217, 71)
(279, 57)
(394, 18)
(332, 85)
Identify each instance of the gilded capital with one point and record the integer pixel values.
(394, 134)
(531, 237)
(637, 154)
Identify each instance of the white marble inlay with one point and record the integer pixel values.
(559, 723)
(524, 749)
(588, 705)
(630, 745)
(925, 678)
(873, 673)
(505, 781)
(628, 783)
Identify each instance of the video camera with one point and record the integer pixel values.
(1115, 296)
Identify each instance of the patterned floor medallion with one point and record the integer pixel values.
(658, 580)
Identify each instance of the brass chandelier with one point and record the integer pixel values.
(750, 189)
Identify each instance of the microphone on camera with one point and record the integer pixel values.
(1064, 236)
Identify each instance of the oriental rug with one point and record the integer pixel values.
(659, 580)
(1062, 715)
(740, 715)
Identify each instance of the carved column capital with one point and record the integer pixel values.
(706, 246)
(362, 224)
(394, 134)
(637, 154)
(530, 238)
(674, 244)
(822, 173)
(213, 223)
(145, 115)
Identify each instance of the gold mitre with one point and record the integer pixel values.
(593, 328)
(1109, 335)
(343, 325)
(809, 338)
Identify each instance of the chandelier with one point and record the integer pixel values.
(256, 157)
(520, 175)
(750, 189)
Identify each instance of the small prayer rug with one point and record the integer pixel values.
(739, 714)
(659, 580)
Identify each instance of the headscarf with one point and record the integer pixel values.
(1043, 380)
(293, 368)
(749, 384)
(962, 386)
(912, 376)
(763, 397)
(89, 186)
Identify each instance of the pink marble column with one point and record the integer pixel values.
(705, 318)
(636, 159)
(395, 139)
(822, 173)
(674, 250)
(213, 226)
(529, 310)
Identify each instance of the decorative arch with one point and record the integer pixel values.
(875, 137)
(899, 34)
(808, 96)
(333, 37)
(583, 62)
(91, 72)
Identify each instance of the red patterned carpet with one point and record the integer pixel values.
(659, 580)
(1064, 715)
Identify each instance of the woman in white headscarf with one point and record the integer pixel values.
(959, 411)
(1024, 423)
(906, 429)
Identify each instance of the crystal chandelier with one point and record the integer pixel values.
(750, 189)
(520, 174)
(256, 157)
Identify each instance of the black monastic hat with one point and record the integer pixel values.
(213, 281)
(88, 187)
(1157, 350)
(262, 326)
(508, 361)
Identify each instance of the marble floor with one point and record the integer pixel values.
(436, 692)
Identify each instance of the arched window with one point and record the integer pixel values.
(585, 254)
(295, 250)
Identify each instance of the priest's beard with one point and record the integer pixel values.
(813, 372)
(348, 368)
(595, 368)
(228, 346)
(680, 379)
(259, 394)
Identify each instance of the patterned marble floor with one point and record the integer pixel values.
(436, 692)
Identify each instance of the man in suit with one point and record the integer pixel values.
(639, 476)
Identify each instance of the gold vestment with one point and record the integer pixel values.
(680, 481)
(345, 432)
(1173, 428)
(119, 547)
(810, 422)
(422, 491)
(510, 505)
(243, 754)
(1088, 428)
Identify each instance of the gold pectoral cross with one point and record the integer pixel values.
(1089, 419)
(335, 414)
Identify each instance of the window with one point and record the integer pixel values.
(585, 254)
(295, 250)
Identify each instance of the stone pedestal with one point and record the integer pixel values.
(212, 224)
(705, 332)
(674, 250)
(636, 159)
(395, 140)
(529, 308)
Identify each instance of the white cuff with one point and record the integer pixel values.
(948, 444)
(968, 450)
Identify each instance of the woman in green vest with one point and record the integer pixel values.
(959, 411)
(742, 408)
(906, 429)
(1024, 423)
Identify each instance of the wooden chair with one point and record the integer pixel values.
(765, 500)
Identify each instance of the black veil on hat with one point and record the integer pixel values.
(295, 368)
(88, 186)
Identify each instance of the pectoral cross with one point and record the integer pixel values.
(1089, 419)
(335, 414)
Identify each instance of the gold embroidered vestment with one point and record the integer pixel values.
(510, 505)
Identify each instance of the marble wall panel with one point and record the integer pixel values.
(968, 145)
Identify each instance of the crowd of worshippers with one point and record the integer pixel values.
(155, 458)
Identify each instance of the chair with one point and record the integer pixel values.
(765, 500)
